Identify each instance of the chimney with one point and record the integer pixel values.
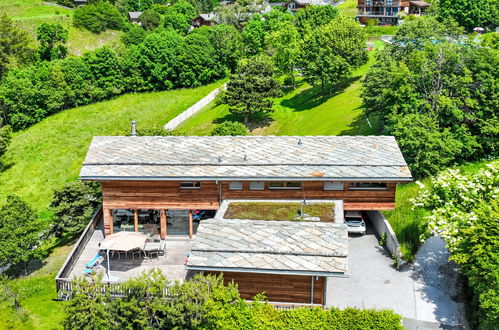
(134, 128)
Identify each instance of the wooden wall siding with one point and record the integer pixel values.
(158, 195)
(314, 190)
(277, 288)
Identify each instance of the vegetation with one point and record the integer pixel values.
(15, 46)
(98, 17)
(469, 13)
(5, 138)
(279, 211)
(437, 98)
(73, 205)
(464, 211)
(230, 128)
(204, 303)
(52, 38)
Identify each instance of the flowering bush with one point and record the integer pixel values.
(464, 211)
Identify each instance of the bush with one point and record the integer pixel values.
(150, 19)
(134, 36)
(230, 128)
(5, 138)
(73, 206)
(372, 22)
(98, 17)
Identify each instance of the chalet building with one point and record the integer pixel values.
(204, 20)
(388, 11)
(157, 186)
(294, 5)
(80, 3)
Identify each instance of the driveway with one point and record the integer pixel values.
(422, 293)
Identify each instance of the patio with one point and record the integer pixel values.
(171, 264)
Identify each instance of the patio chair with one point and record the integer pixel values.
(162, 247)
(89, 271)
(151, 249)
(95, 261)
(136, 252)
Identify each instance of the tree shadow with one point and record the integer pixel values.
(314, 96)
(5, 165)
(256, 120)
(362, 125)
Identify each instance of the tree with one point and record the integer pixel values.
(138, 5)
(330, 52)
(251, 89)
(98, 17)
(19, 232)
(5, 138)
(469, 13)
(52, 38)
(105, 67)
(254, 35)
(179, 16)
(150, 19)
(228, 45)
(73, 206)
(230, 128)
(312, 17)
(284, 45)
(15, 45)
(134, 36)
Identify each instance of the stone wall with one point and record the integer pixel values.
(381, 225)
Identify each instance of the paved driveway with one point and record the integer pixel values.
(421, 293)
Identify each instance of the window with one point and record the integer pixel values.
(285, 185)
(388, 2)
(190, 185)
(368, 186)
(257, 185)
(235, 185)
(368, 2)
(333, 185)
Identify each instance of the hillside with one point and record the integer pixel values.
(31, 13)
(302, 111)
(48, 154)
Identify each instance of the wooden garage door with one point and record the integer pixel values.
(278, 288)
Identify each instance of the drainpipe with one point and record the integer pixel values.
(219, 186)
(312, 290)
(134, 128)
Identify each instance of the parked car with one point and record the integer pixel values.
(355, 222)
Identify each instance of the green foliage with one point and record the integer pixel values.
(150, 19)
(254, 35)
(469, 13)
(202, 6)
(331, 51)
(148, 131)
(230, 128)
(179, 16)
(436, 97)
(251, 89)
(372, 22)
(203, 303)
(284, 45)
(464, 211)
(5, 138)
(20, 232)
(105, 67)
(73, 206)
(312, 17)
(134, 36)
(138, 5)
(98, 17)
(15, 46)
(228, 45)
(52, 38)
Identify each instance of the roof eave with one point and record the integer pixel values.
(267, 271)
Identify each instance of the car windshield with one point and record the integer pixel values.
(353, 222)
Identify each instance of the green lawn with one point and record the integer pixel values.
(29, 14)
(50, 153)
(348, 8)
(407, 223)
(279, 211)
(302, 111)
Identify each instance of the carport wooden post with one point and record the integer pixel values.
(111, 220)
(136, 220)
(162, 222)
(190, 223)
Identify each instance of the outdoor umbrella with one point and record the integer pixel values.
(122, 241)
(479, 29)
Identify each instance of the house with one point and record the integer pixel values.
(388, 11)
(160, 185)
(133, 17)
(204, 20)
(80, 3)
(294, 5)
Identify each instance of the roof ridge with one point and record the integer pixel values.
(263, 251)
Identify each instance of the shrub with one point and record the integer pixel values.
(150, 19)
(134, 36)
(98, 17)
(372, 22)
(230, 128)
(73, 206)
(5, 138)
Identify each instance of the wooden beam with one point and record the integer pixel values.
(111, 220)
(162, 222)
(190, 223)
(136, 220)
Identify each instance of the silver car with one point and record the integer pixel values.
(355, 222)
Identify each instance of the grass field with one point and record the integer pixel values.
(29, 14)
(302, 111)
(348, 8)
(50, 153)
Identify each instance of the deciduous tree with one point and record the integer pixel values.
(15, 45)
(52, 38)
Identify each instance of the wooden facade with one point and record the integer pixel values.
(167, 195)
(278, 288)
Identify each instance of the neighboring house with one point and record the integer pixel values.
(134, 17)
(388, 11)
(294, 5)
(80, 2)
(204, 20)
(156, 185)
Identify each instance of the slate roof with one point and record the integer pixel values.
(245, 157)
(419, 3)
(134, 14)
(281, 247)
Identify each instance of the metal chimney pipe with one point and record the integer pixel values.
(134, 128)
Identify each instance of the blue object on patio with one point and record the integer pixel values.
(92, 263)
(88, 271)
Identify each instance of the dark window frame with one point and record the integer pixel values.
(356, 186)
(196, 185)
(236, 189)
(259, 188)
(285, 185)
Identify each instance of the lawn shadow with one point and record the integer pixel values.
(5, 165)
(313, 97)
(362, 125)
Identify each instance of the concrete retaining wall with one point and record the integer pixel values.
(175, 122)
(381, 225)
